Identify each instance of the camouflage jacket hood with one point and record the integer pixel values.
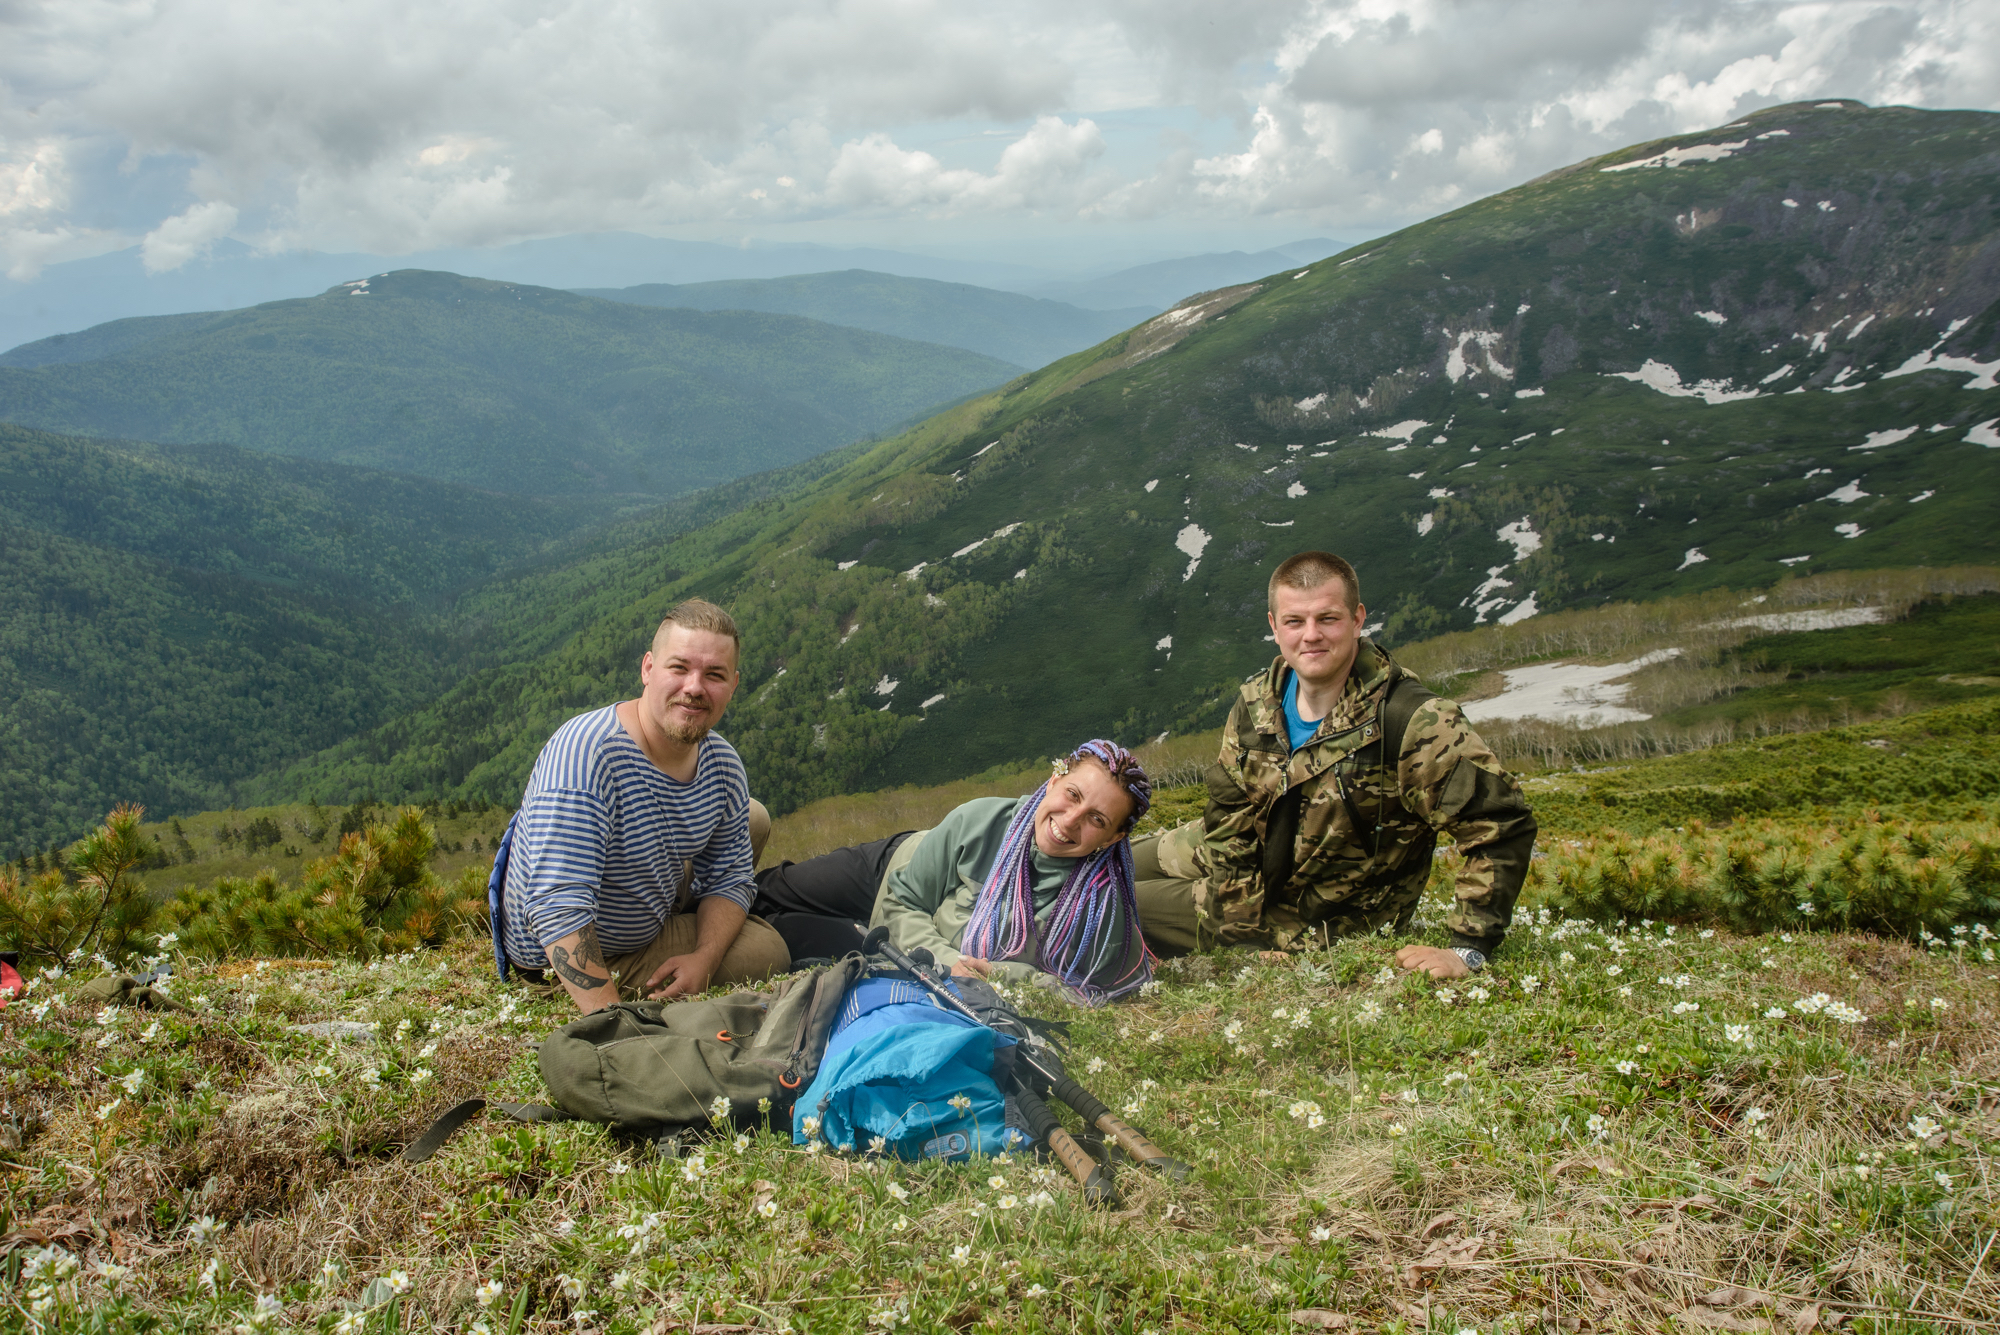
(1358, 814)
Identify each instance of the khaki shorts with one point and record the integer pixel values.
(757, 953)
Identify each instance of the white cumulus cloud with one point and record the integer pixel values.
(394, 127)
(186, 236)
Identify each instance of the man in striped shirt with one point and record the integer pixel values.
(620, 800)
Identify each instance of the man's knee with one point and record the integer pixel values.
(757, 953)
(760, 830)
(1167, 915)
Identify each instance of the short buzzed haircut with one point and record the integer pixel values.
(699, 614)
(1309, 570)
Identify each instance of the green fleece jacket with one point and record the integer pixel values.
(935, 876)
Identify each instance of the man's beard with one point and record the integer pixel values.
(686, 732)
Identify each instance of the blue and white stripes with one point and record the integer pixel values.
(602, 833)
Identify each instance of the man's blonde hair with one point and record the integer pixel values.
(1309, 570)
(699, 614)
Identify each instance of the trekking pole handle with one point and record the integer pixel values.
(878, 941)
(1092, 1110)
(1094, 1177)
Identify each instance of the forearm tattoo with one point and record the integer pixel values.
(575, 969)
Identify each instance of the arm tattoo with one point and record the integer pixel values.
(576, 970)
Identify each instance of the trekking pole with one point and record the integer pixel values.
(1089, 1108)
(1094, 1176)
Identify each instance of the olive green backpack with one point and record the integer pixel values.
(654, 1068)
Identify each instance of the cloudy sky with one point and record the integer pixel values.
(1030, 129)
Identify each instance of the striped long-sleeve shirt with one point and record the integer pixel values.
(602, 834)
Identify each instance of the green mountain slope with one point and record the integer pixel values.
(1650, 373)
(175, 618)
(1025, 331)
(297, 524)
(495, 385)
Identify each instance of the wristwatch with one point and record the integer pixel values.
(1474, 960)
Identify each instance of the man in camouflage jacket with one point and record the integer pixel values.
(1303, 843)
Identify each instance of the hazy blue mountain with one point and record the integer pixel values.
(1154, 287)
(520, 389)
(83, 293)
(1703, 362)
(1023, 330)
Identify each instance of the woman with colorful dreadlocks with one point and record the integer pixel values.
(1024, 888)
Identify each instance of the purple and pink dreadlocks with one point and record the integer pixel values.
(1092, 940)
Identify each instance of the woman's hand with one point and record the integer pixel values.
(968, 967)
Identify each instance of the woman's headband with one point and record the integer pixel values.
(1125, 770)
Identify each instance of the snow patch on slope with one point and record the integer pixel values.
(1664, 378)
(1674, 157)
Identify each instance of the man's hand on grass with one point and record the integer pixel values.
(1433, 960)
(969, 967)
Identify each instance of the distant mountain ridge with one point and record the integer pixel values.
(514, 388)
(1025, 331)
(1707, 361)
(82, 293)
(1163, 283)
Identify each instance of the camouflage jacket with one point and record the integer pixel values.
(1366, 828)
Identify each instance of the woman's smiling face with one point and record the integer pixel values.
(1083, 811)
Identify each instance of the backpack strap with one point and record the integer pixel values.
(1400, 703)
(496, 885)
(1406, 695)
(457, 1116)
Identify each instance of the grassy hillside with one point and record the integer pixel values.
(1453, 406)
(1634, 1124)
(496, 385)
(1024, 331)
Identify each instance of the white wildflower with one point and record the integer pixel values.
(489, 1293)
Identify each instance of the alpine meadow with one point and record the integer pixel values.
(1677, 466)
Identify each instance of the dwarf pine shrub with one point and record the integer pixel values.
(100, 908)
(375, 894)
(1891, 875)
